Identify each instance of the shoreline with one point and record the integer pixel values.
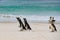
(30, 22)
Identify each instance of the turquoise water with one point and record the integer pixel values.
(31, 10)
(36, 11)
(30, 7)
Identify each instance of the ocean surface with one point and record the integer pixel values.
(31, 10)
(38, 11)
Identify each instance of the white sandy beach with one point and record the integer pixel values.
(40, 31)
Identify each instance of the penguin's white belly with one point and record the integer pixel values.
(51, 28)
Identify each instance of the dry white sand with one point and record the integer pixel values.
(40, 31)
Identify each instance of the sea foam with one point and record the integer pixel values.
(33, 18)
